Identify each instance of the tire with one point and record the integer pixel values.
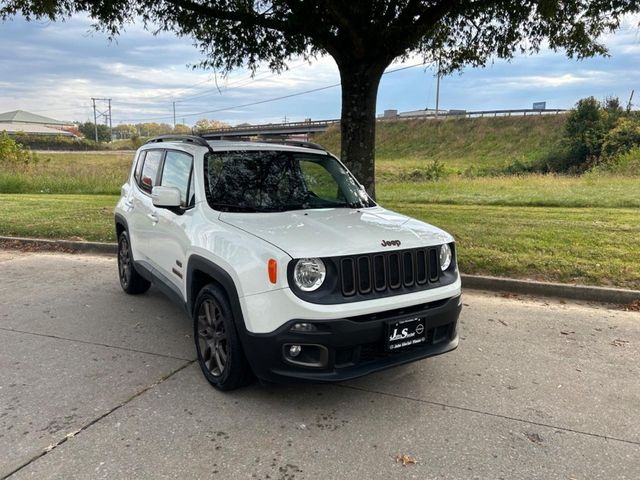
(130, 280)
(218, 347)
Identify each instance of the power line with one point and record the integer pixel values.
(230, 86)
(259, 102)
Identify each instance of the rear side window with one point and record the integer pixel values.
(177, 173)
(138, 171)
(150, 170)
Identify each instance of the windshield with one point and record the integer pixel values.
(276, 181)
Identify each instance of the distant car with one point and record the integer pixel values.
(288, 269)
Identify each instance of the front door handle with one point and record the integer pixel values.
(128, 203)
(152, 217)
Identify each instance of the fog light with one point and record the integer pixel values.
(303, 327)
(294, 350)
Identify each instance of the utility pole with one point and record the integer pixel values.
(110, 124)
(174, 114)
(438, 88)
(106, 113)
(95, 119)
(629, 104)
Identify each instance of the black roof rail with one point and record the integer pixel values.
(180, 138)
(295, 143)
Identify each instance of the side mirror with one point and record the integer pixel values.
(166, 197)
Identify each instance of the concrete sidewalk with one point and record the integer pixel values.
(97, 384)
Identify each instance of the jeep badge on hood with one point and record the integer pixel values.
(391, 243)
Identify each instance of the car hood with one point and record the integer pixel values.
(339, 231)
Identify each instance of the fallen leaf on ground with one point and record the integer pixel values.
(533, 437)
(509, 295)
(406, 459)
(632, 307)
(619, 343)
(503, 322)
(566, 332)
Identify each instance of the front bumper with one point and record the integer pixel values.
(354, 345)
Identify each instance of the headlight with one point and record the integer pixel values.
(445, 256)
(309, 273)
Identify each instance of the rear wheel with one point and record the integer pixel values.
(130, 280)
(218, 346)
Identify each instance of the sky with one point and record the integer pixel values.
(54, 69)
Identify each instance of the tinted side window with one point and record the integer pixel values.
(138, 171)
(319, 181)
(177, 172)
(150, 168)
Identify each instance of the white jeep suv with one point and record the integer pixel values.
(288, 269)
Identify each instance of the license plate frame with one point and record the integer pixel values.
(404, 333)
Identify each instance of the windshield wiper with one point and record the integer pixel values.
(227, 207)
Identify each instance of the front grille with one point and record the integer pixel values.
(389, 271)
(366, 276)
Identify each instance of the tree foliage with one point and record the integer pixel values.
(363, 37)
(88, 129)
(206, 124)
(622, 138)
(596, 132)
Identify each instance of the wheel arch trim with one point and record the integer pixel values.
(196, 263)
(120, 220)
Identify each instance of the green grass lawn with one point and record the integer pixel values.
(69, 172)
(104, 173)
(596, 246)
(525, 190)
(75, 217)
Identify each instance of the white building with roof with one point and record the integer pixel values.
(19, 121)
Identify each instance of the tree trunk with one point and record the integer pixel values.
(358, 120)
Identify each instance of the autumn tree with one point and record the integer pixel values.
(124, 130)
(206, 124)
(181, 129)
(363, 36)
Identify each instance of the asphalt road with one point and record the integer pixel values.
(97, 384)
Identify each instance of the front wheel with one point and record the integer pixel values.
(130, 280)
(218, 346)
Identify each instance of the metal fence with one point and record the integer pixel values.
(314, 126)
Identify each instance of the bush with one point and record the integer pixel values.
(595, 131)
(621, 139)
(12, 153)
(431, 172)
(37, 142)
(626, 164)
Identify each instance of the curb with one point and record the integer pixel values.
(68, 246)
(557, 290)
(473, 282)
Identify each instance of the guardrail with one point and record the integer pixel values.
(313, 126)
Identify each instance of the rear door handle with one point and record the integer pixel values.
(152, 217)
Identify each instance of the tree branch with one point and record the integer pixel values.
(247, 17)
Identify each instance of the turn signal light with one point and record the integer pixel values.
(272, 268)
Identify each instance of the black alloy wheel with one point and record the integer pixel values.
(220, 354)
(130, 280)
(212, 337)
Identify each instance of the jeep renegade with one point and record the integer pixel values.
(287, 268)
